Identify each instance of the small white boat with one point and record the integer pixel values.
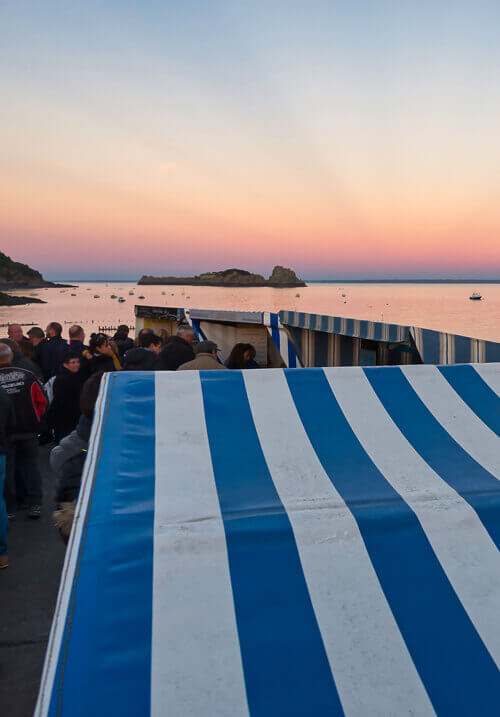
(297, 296)
(96, 296)
(73, 294)
(113, 296)
(121, 300)
(130, 293)
(163, 293)
(141, 297)
(475, 296)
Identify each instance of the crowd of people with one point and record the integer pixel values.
(48, 390)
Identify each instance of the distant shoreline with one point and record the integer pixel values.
(310, 281)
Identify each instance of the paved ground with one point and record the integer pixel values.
(28, 592)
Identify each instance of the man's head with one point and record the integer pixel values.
(207, 347)
(15, 332)
(152, 342)
(36, 335)
(76, 333)
(142, 334)
(123, 330)
(5, 355)
(53, 329)
(186, 332)
(72, 362)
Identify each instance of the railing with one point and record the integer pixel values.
(112, 329)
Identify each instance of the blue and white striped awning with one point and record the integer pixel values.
(285, 542)
(434, 347)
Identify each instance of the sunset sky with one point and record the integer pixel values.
(343, 139)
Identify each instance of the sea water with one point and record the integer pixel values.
(443, 307)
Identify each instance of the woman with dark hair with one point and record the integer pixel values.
(237, 358)
(102, 356)
(67, 459)
(251, 353)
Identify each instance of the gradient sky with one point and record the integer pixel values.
(345, 139)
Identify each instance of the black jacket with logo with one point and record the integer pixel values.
(28, 399)
(7, 421)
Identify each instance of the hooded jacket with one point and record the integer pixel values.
(28, 398)
(175, 353)
(7, 421)
(67, 460)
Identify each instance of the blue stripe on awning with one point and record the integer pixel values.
(476, 393)
(275, 330)
(285, 664)
(475, 484)
(424, 604)
(105, 659)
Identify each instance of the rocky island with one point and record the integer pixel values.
(280, 278)
(14, 275)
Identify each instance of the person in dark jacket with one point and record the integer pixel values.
(29, 400)
(37, 339)
(77, 340)
(52, 351)
(64, 410)
(146, 356)
(179, 349)
(67, 459)
(20, 360)
(102, 355)
(122, 340)
(7, 427)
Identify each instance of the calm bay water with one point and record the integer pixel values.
(444, 307)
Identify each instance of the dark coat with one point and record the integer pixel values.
(21, 361)
(101, 362)
(28, 398)
(123, 344)
(51, 355)
(141, 359)
(64, 411)
(78, 347)
(175, 353)
(7, 421)
(67, 460)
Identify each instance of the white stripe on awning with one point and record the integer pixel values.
(195, 657)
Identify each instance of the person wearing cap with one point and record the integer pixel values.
(206, 359)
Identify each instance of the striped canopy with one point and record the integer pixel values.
(285, 542)
(436, 347)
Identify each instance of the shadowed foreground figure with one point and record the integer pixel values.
(29, 401)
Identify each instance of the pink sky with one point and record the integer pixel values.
(340, 143)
